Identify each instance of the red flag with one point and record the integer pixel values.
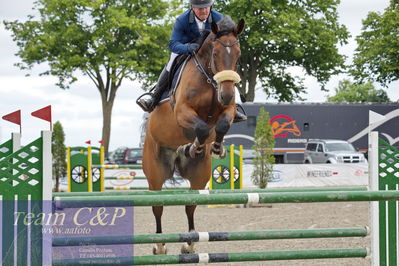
(45, 114)
(88, 142)
(101, 142)
(14, 117)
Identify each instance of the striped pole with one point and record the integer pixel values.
(118, 166)
(125, 177)
(143, 188)
(228, 198)
(219, 257)
(210, 236)
(134, 178)
(145, 191)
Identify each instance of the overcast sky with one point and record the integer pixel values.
(79, 108)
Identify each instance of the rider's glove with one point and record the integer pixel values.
(192, 47)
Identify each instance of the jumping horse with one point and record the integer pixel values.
(184, 133)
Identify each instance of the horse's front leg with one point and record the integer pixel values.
(202, 132)
(190, 120)
(221, 128)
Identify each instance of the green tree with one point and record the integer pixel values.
(263, 147)
(348, 91)
(377, 54)
(59, 154)
(106, 40)
(282, 34)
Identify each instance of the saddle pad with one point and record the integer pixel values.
(175, 81)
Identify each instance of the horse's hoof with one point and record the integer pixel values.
(187, 249)
(159, 249)
(184, 150)
(196, 152)
(219, 154)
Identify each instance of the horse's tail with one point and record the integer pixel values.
(143, 129)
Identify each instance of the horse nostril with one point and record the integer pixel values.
(226, 98)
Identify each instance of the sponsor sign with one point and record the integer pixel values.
(283, 125)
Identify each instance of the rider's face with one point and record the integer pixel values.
(202, 13)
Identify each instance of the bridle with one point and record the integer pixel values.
(226, 44)
(215, 79)
(210, 76)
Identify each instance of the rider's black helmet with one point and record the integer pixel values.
(201, 3)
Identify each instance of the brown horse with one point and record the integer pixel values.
(185, 133)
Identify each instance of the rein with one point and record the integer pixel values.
(209, 80)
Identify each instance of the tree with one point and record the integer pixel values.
(283, 34)
(59, 154)
(263, 147)
(377, 54)
(348, 91)
(107, 41)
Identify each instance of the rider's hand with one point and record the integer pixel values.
(192, 47)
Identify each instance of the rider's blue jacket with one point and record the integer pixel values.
(186, 30)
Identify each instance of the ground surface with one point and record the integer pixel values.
(276, 216)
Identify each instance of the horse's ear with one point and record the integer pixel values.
(240, 27)
(214, 27)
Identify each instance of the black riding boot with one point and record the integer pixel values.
(150, 103)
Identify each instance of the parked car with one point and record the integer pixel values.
(134, 155)
(117, 156)
(331, 151)
(125, 155)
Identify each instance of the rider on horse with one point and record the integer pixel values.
(188, 27)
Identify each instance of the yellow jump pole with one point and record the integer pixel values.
(102, 159)
(69, 176)
(89, 173)
(232, 166)
(210, 181)
(241, 165)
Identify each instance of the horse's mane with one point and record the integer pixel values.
(226, 25)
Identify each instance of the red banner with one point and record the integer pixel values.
(14, 117)
(88, 142)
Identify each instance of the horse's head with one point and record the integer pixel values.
(225, 54)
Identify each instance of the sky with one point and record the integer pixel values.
(79, 108)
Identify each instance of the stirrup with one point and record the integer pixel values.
(141, 102)
(240, 116)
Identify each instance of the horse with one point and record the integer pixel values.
(184, 133)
